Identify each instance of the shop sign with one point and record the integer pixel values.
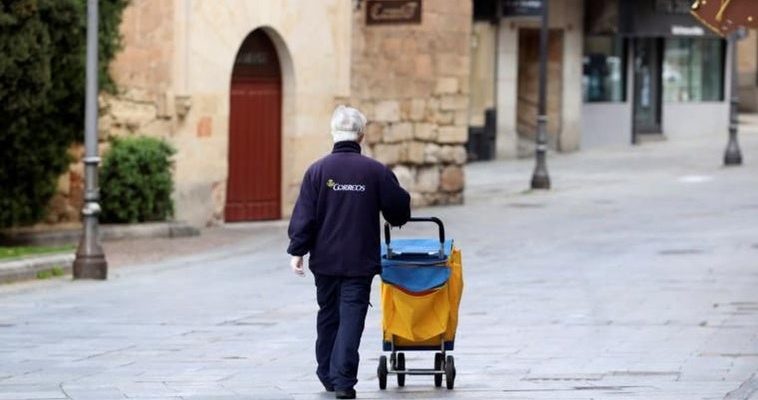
(380, 12)
(522, 8)
(680, 30)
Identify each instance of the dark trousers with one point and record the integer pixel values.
(343, 303)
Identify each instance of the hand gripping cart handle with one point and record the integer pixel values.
(440, 226)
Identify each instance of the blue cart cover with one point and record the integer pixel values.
(416, 265)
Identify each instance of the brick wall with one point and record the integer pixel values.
(412, 82)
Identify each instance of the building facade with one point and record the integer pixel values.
(504, 77)
(412, 80)
(244, 90)
(619, 72)
(651, 71)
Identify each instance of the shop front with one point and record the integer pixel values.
(504, 77)
(650, 71)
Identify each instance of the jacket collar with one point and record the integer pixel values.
(346, 146)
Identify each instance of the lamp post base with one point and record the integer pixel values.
(540, 181)
(732, 160)
(733, 155)
(90, 266)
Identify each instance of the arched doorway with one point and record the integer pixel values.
(254, 185)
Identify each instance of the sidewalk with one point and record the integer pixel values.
(139, 243)
(634, 278)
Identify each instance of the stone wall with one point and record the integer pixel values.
(482, 77)
(412, 81)
(565, 19)
(143, 104)
(747, 64)
(174, 78)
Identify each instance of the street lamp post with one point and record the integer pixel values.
(733, 155)
(540, 177)
(90, 260)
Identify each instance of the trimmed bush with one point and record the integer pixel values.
(42, 73)
(136, 181)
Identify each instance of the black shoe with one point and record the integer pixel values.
(329, 388)
(345, 394)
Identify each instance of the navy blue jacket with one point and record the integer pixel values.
(336, 217)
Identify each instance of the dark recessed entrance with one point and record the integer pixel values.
(254, 185)
(647, 85)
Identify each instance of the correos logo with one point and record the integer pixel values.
(342, 187)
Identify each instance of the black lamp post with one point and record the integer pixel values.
(733, 155)
(90, 260)
(540, 178)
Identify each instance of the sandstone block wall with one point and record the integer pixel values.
(174, 75)
(412, 82)
(174, 78)
(143, 104)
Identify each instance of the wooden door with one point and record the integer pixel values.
(528, 83)
(254, 185)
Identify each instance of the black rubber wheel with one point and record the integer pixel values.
(450, 372)
(400, 367)
(438, 361)
(381, 372)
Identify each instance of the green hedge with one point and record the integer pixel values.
(136, 181)
(42, 74)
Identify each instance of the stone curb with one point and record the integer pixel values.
(28, 268)
(172, 229)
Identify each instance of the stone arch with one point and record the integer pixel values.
(288, 107)
(261, 88)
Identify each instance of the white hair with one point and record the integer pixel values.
(347, 124)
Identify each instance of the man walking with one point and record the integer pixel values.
(336, 221)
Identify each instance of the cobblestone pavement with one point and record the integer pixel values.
(636, 277)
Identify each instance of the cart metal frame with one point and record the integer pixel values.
(444, 364)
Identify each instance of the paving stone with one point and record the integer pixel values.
(583, 292)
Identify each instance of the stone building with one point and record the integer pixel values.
(504, 73)
(412, 81)
(747, 65)
(619, 72)
(244, 90)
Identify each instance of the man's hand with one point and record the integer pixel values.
(296, 262)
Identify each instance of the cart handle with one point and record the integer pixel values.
(440, 227)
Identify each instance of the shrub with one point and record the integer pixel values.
(42, 72)
(136, 181)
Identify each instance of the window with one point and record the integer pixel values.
(604, 69)
(693, 69)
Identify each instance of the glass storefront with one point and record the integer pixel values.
(603, 78)
(693, 69)
(604, 61)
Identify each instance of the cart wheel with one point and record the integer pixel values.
(400, 367)
(438, 361)
(381, 372)
(450, 372)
